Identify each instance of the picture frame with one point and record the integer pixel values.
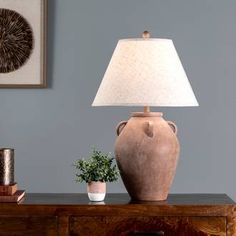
(23, 43)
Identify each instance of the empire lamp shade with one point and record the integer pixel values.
(145, 72)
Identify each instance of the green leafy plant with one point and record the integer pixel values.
(98, 167)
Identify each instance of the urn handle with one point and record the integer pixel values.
(120, 127)
(148, 128)
(173, 126)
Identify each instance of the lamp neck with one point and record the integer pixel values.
(146, 109)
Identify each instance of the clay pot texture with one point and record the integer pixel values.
(147, 152)
(96, 190)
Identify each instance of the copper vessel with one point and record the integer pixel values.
(6, 166)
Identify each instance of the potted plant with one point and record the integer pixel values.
(96, 171)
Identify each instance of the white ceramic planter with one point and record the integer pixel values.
(96, 191)
(96, 197)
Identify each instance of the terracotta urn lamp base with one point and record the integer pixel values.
(147, 152)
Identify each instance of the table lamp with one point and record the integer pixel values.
(146, 72)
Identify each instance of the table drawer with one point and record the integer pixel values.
(148, 226)
(28, 226)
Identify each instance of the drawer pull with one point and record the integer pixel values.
(158, 233)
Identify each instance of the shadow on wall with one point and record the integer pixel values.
(51, 20)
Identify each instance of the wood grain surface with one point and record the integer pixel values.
(28, 226)
(73, 214)
(124, 226)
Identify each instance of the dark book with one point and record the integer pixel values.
(16, 197)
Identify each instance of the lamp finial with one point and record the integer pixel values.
(146, 34)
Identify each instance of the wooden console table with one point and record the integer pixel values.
(73, 214)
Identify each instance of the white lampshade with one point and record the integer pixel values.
(145, 72)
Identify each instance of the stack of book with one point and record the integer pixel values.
(10, 193)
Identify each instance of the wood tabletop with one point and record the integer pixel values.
(124, 199)
(62, 214)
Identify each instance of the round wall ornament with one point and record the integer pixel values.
(16, 40)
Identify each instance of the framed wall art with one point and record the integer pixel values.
(23, 43)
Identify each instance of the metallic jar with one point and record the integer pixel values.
(6, 166)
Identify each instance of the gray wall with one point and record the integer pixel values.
(50, 128)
